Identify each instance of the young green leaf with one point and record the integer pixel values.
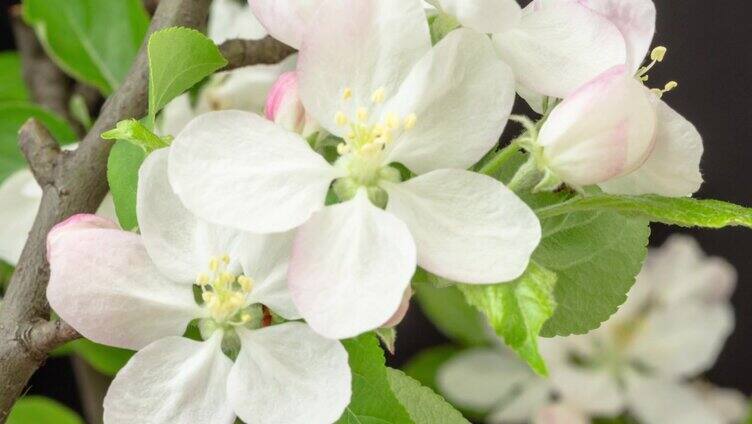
(423, 405)
(136, 133)
(596, 257)
(388, 337)
(178, 59)
(450, 313)
(517, 310)
(12, 116)
(681, 211)
(372, 399)
(424, 366)
(94, 41)
(105, 359)
(122, 174)
(41, 410)
(12, 86)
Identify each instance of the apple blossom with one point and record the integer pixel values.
(672, 328)
(284, 107)
(137, 292)
(20, 196)
(230, 19)
(369, 75)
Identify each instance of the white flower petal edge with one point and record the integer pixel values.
(229, 167)
(636, 22)
(535, 396)
(231, 19)
(285, 20)
(673, 168)
(20, 196)
(479, 379)
(661, 401)
(103, 283)
(668, 335)
(560, 413)
(559, 46)
(594, 391)
(603, 130)
(486, 16)
(173, 380)
(350, 266)
(468, 227)
(364, 46)
(289, 374)
(462, 95)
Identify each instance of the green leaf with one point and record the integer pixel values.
(596, 257)
(424, 366)
(682, 211)
(136, 133)
(122, 174)
(12, 116)
(12, 85)
(450, 313)
(372, 399)
(105, 359)
(95, 41)
(41, 410)
(423, 405)
(388, 337)
(517, 310)
(178, 59)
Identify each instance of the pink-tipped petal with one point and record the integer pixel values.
(286, 20)
(401, 311)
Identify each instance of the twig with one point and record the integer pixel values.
(78, 185)
(240, 53)
(41, 151)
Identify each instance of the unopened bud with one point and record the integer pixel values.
(283, 106)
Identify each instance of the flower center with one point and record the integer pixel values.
(366, 141)
(656, 56)
(225, 294)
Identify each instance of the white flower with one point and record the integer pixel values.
(368, 74)
(20, 196)
(284, 107)
(229, 19)
(137, 292)
(671, 329)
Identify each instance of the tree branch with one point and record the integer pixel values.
(41, 150)
(75, 183)
(240, 53)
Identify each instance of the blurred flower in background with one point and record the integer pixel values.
(644, 363)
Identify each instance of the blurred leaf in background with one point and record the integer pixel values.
(42, 410)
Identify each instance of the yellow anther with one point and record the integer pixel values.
(340, 118)
(670, 86)
(208, 296)
(370, 148)
(378, 96)
(246, 284)
(202, 279)
(347, 93)
(343, 149)
(362, 114)
(644, 78)
(392, 121)
(226, 278)
(226, 259)
(214, 264)
(236, 300)
(658, 54)
(410, 121)
(657, 91)
(245, 318)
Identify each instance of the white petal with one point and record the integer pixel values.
(265, 258)
(20, 196)
(364, 46)
(175, 116)
(237, 169)
(285, 20)
(468, 227)
(655, 401)
(667, 336)
(595, 390)
(522, 406)
(479, 379)
(731, 404)
(462, 95)
(230, 19)
(603, 130)
(673, 168)
(244, 88)
(636, 21)
(103, 283)
(350, 266)
(174, 380)
(487, 16)
(560, 413)
(561, 46)
(289, 374)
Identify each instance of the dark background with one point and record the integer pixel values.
(709, 54)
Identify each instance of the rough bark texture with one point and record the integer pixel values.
(240, 53)
(72, 182)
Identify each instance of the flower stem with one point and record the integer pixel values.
(494, 165)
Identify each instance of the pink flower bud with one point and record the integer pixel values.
(283, 106)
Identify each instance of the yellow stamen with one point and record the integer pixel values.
(341, 119)
(362, 114)
(246, 284)
(347, 93)
(343, 149)
(214, 264)
(202, 279)
(410, 121)
(670, 86)
(378, 96)
(392, 121)
(658, 53)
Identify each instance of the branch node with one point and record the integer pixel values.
(40, 149)
(267, 51)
